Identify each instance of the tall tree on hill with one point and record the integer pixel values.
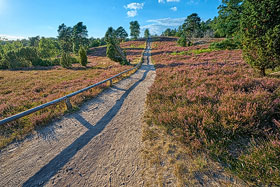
(121, 34)
(65, 37)
(80, 35)
(134, 29)
(147, 33)
(192, 26)
(228, 21)
(260, 28)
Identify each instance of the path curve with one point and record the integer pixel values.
(98, 146)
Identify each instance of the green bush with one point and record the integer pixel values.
(83, 56)
(12, 61)
(184, 41)
(226, 44)
(111, 53)
(65, 60)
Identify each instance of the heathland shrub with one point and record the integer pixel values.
(83, 56)
(65, 60)
(219, 106)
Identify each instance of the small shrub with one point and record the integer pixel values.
(83, 56)
(226, 44)
(65, 60)
(184, 41)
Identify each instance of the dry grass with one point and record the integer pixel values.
(24, 89)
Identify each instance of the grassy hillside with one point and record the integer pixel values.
(213, 103)
(24, 89)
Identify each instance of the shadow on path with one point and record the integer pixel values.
(51, 169)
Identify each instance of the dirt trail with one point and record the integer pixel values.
(98, 146)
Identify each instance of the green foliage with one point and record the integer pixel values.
(228, 21)
(206, 29)
(113, 55)
(169, 32)
(83, 56)
(48, 48)
(121, 34)
(95, 42)
(134, 29)
(195, 52)
(79, 36)
(147, 33)
(18, 58)
(110, 36)
(184, 41)
(192, 26)
(114, 51)
(260, 27)
(65, 60)
(65, 37)
(226, 44)
(34, 41)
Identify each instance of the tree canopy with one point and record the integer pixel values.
(260, 28)
(134, 29)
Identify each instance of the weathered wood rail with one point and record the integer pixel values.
(66, 98)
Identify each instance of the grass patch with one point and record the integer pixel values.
(194, 52)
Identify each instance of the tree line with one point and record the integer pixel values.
(70, 46)
(251, 25)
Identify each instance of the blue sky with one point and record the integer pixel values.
(25, 18)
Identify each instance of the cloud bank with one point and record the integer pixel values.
(157, 26)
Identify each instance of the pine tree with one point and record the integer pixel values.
(83, 56)
(260, 28)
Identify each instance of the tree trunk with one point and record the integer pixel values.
(263, 72)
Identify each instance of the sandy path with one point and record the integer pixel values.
(98, 146)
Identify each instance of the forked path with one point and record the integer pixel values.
(98, 146)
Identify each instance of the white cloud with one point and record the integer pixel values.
(132, 13)
(157, 26)
(134, 6)
(133, 9)
(9, 37)
(174, 8)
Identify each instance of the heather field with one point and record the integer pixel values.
(27, 88)
(212, 102)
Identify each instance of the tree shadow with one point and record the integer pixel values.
(128, 48)
(98, 51)
(51, 169)
(157, 66)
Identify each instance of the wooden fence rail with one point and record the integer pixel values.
(67, 97)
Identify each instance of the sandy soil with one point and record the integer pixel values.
(98, 146)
